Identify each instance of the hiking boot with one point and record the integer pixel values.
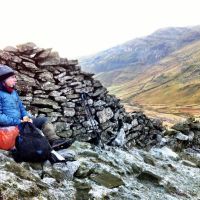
(61, 143)
(49, 131)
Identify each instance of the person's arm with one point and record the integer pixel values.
(26, 117)
(6, 120)
(21, 107)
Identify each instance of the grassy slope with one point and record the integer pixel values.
(173, 83)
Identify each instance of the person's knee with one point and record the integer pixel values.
(44, 120)
(40, 121)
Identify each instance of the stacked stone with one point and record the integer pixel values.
(52, 86)
(142, 131)
(183, 135)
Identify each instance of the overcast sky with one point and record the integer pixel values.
(77, 28)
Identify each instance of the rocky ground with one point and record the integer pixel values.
(108, 173)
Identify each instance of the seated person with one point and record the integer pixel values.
(12, 111)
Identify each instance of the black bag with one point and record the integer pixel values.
(31, 145)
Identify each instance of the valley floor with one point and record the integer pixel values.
(169, 114)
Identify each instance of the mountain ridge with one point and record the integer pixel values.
(141, 51)
(171, 84)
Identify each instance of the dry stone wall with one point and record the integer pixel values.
(142, 131)
(52, 86)
(184, 135)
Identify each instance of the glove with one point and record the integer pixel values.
(26, 119)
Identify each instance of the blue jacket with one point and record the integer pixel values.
(11, 108)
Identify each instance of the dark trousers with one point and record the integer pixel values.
(39, 122)
(47, 128)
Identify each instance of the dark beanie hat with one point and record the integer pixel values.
(5, 72)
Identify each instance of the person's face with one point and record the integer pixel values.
(11, 81)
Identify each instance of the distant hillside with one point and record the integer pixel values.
(141, 51)
(175, 80)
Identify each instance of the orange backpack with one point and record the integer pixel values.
(8, 136)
